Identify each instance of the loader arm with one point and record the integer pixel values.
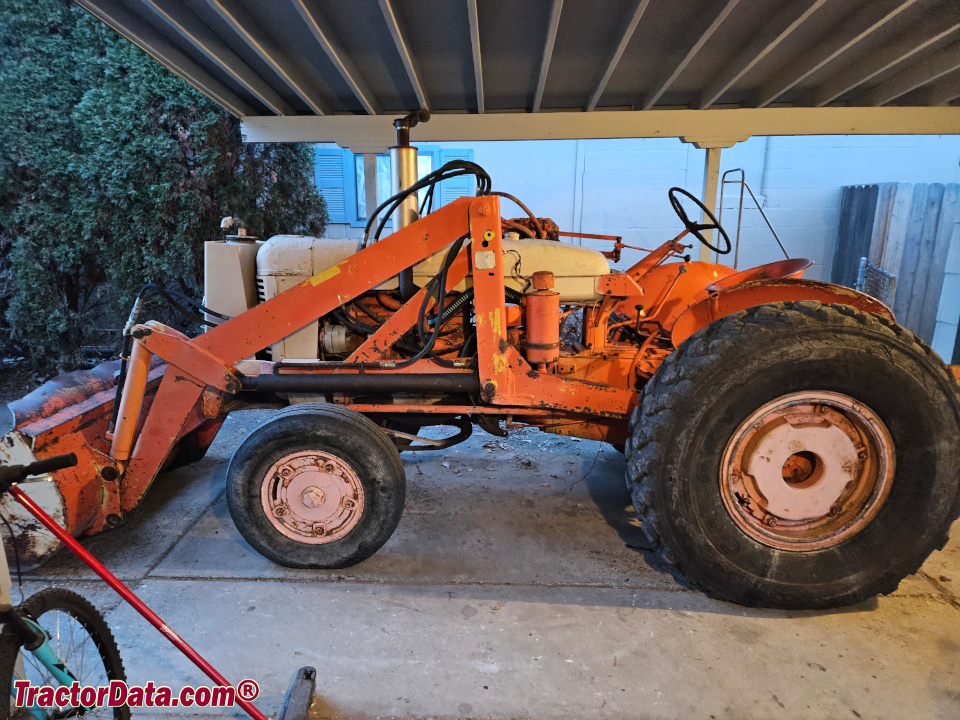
(183, 399)
(194, 387)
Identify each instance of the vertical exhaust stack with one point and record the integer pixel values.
(403, 174)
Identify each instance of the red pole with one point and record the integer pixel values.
(130, 597)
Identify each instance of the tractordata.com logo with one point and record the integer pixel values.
(118, 694)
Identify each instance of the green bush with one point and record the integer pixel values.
(113, 172)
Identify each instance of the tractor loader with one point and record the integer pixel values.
(787, 443)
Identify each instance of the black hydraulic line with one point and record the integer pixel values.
(151, 289)
(199, 306)
(407, 288)
(466, 430)
(148, 290)
(533, 218)
(373, 383)
(452, 169)
(466, 296)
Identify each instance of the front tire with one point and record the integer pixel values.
(868, 419)
(316, 486)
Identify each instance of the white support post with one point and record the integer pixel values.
(711, 177)
(370, 181)
(713, 144)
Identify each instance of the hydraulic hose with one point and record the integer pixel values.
(466, 296)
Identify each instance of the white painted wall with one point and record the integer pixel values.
(799, 179)
(542, 174)
(619, 187)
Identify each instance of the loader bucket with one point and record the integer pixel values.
(71, 413)
(66, 414)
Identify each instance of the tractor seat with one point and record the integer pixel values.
(793, 267)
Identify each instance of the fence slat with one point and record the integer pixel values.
(949, 214)
(854, 231)
(923, 252)
(907, 272)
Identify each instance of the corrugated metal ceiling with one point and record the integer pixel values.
(309, 57)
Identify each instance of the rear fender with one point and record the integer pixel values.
(747, 295)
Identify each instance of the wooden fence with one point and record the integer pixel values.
(907, 230)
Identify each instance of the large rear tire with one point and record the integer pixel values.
(316, 486)
(798, 455)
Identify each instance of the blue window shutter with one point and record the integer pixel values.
(330, 178)
(457, 187)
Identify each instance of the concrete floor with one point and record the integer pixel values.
(510, 590)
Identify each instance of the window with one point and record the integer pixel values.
(340, 179)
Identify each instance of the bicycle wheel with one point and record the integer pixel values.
(81, 639)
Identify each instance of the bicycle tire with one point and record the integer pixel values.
(90, 620)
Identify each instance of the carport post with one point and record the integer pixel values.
(370, 181)
(711, 178)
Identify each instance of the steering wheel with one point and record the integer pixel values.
(696, 229)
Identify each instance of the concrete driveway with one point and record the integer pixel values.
(513, 588)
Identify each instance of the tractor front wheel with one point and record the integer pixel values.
(798, 455)
(316, 486)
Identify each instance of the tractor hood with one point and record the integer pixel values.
(287, 260)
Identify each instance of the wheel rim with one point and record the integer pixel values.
(807, 470)
(312, 497)
(76, 648)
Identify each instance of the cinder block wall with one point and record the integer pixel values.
(619, 187)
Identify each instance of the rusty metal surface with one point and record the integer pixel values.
(273, 320)
(505, 376)
(378, 345)
(64, 391)
(312, 497)
(587, 389)
(177, 409)
(791, 267)
(807, 470)
(760, 292)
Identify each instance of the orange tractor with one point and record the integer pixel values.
(787, 443)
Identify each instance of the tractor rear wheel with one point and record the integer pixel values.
(316, 486)
(797, 455)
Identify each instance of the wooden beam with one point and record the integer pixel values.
(191, 28)
(925, 71)
(791, 17)
(475, 48)
(327, 39)
(250, 31)
(871, 17)
(628, 32)
(144, 36)
(556, 7)
(900, 49)
(714, 126)
(699, 40)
